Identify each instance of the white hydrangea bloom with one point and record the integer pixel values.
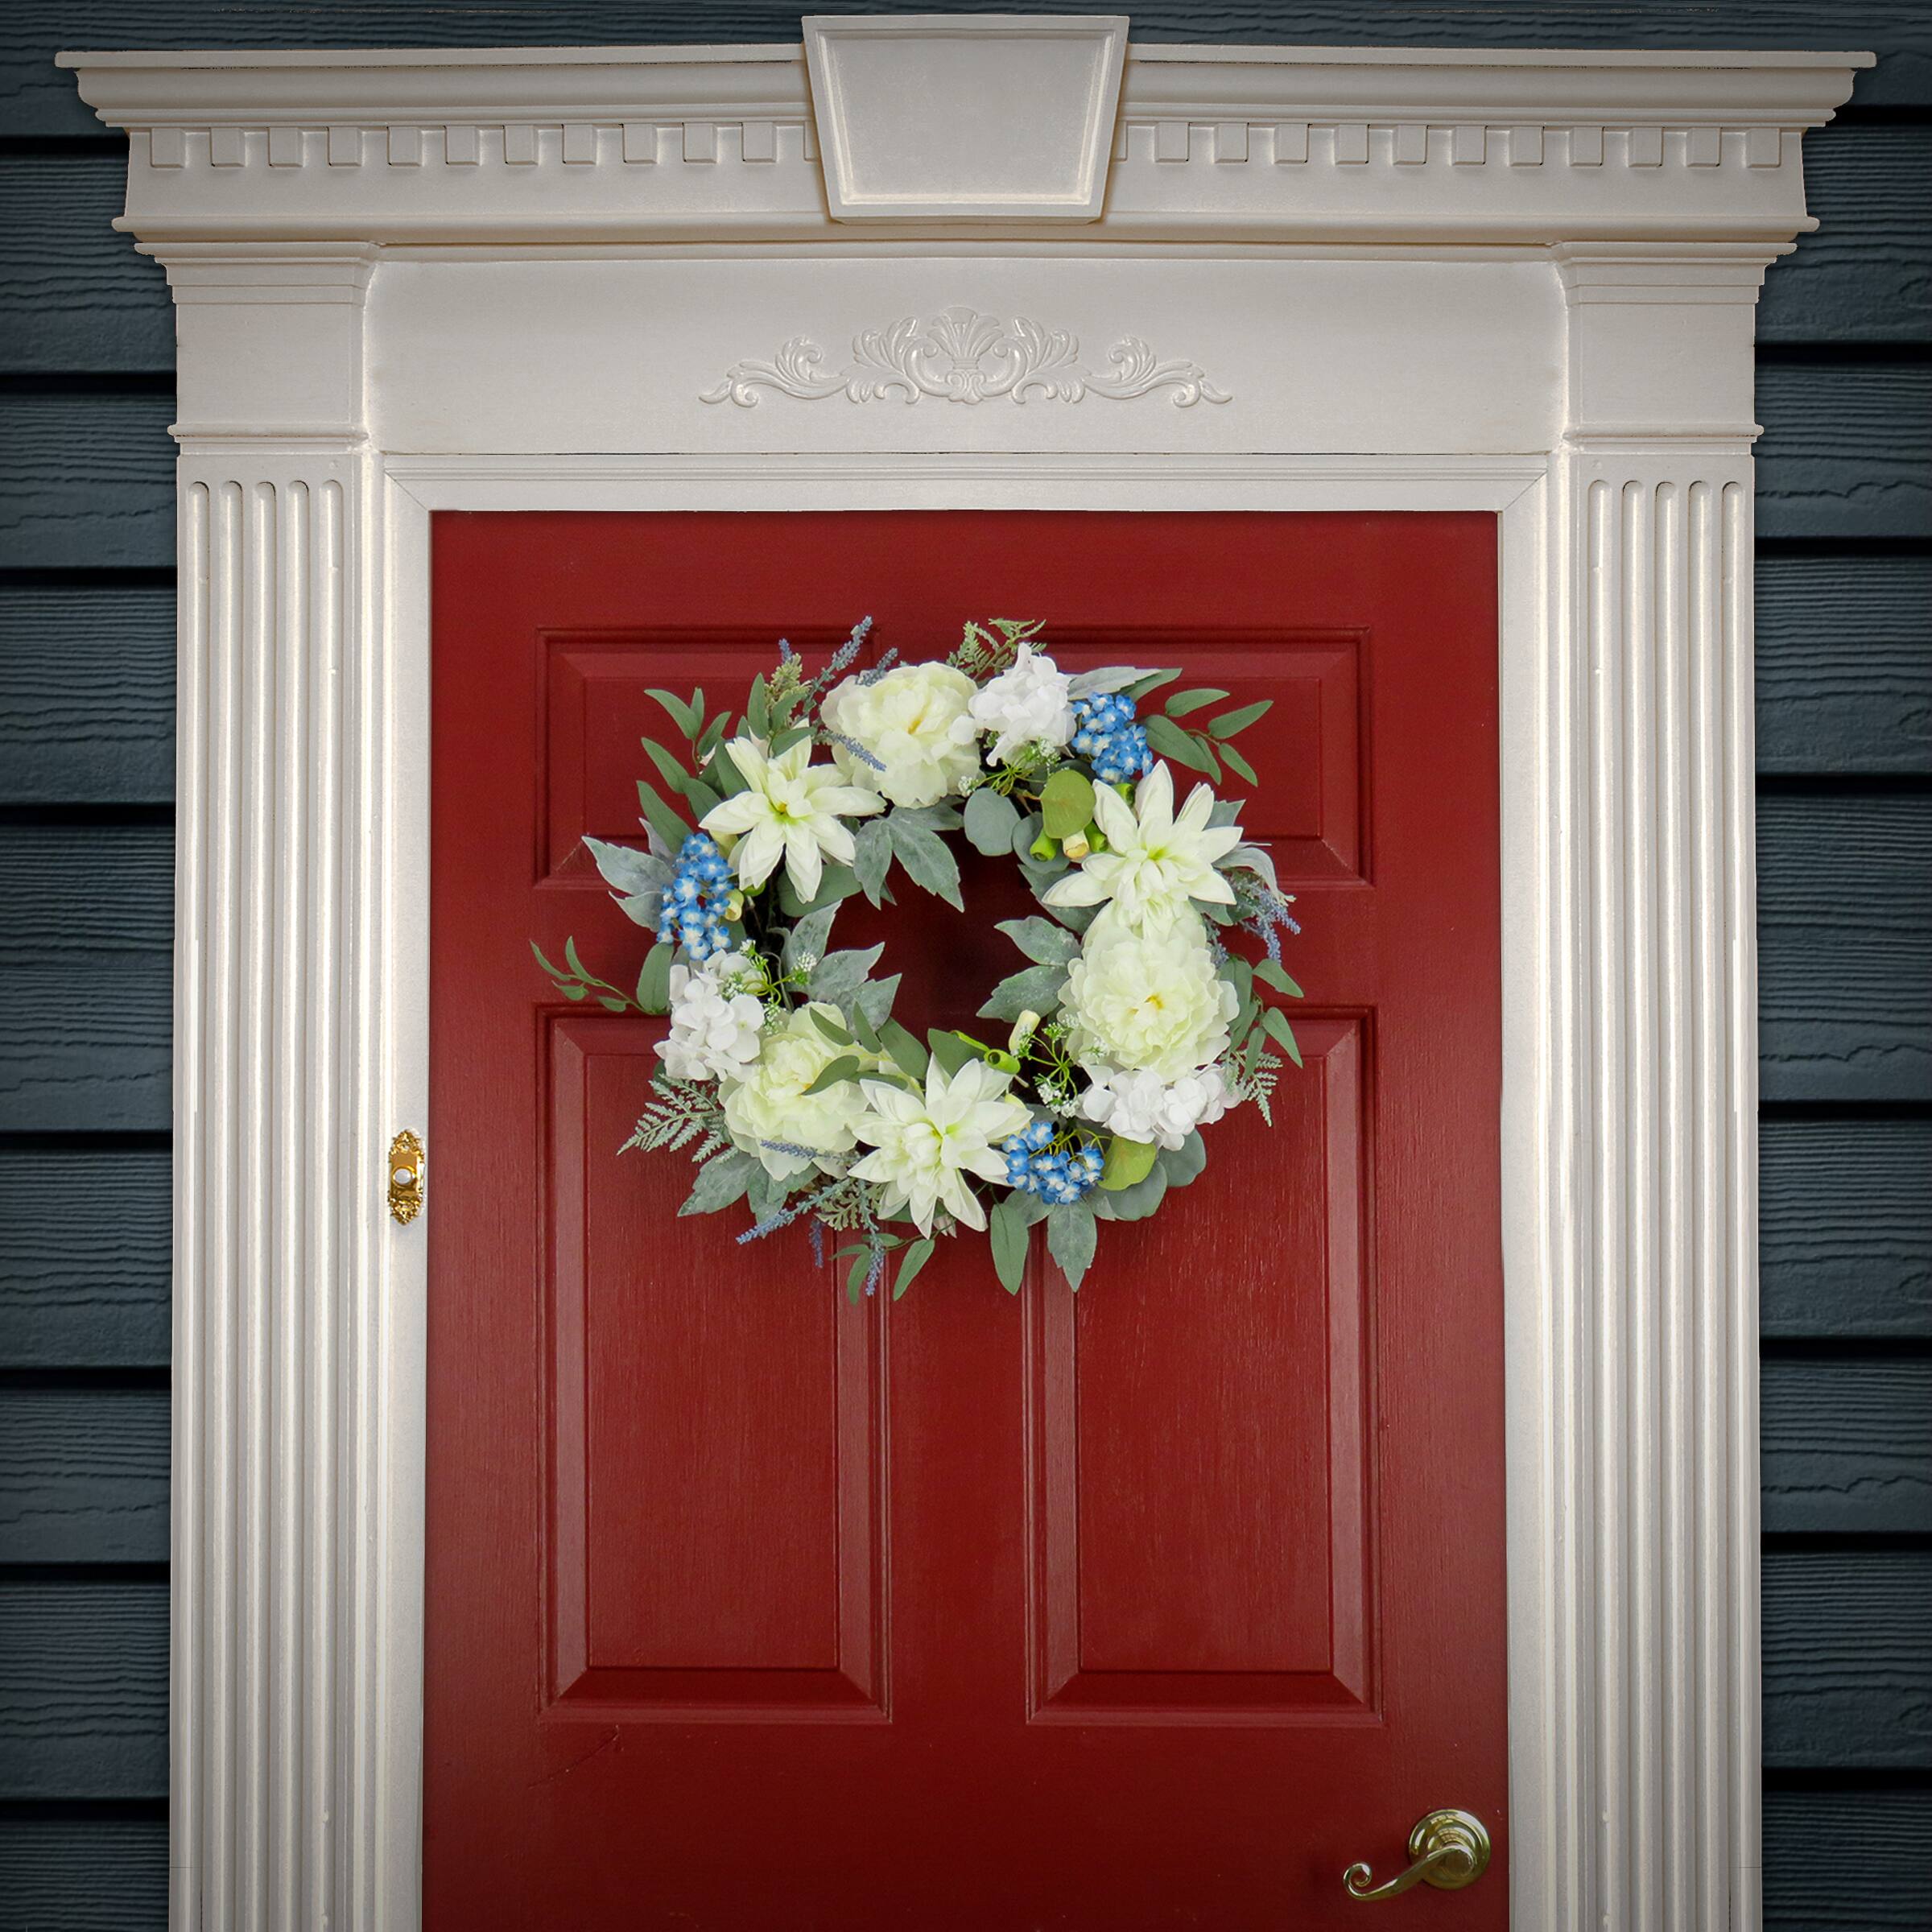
(1156, 860)
(1141, 1106)
(925, 1145)
(1148, 1002)
(1030, 703)
(715, 1032)
(915, 721)
(768, 1110)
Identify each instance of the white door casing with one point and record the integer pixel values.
(608, 279)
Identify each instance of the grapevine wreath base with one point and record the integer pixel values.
(1134, 1024)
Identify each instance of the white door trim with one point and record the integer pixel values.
(1521, 283)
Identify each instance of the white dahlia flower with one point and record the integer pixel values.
(1142, 1107)
(714, 1031)
(1147, 1002)
(915, 721)
(790, 810)
(1030, 703)
(771, 1115)
(1154, 862)
(926, 1145)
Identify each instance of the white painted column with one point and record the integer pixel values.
(1651, 1095)
(279, 1243)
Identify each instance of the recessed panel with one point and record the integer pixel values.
(1201, 1439)
(715, 1423)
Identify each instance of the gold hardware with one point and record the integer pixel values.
(405, 1177)
(1450, 1850)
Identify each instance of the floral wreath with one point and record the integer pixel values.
(1134, 1025)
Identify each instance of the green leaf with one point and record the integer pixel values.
(836, 1073)
(1036, 989)
(1238, 764)
(1229, 722)
(832, 1029)
(911, 1262)
(714, 736)
(906, 1052)
(836, 883)
(836, 977)
(950, 1049)
(1070, 1236)
(723, 1179)
(1148, 682)
(1066, 804)
(681, 715)
(1006, 1230)
(855, 1281)
(724, 773)
(1271, 975)
(872, 858)
(1135, 1203)
(927, 859)
(873, 1001)
(1127, 1162)
(664, 822)
(1040, 940)
(1184, 701)
(757, 709)
(556, 972)
(1184, 1163)
(670, 768)
(1274, 1023)
(810, 937)
(654, 981)
(990, 820)
(1170, 741)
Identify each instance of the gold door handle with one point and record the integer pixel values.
(1450, 1850)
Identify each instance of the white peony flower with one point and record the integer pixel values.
(915, 721)
(1142, 1107)
(1154, 862)
(768, 1111)
(1028, 705)
(790, 810)
(925, 1145)
(715, 1032)
(1147, 1002)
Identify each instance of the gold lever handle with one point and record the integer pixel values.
(1450, 1850)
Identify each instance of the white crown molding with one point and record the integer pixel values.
(650, 144)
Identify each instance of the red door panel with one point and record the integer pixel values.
(751, 1610)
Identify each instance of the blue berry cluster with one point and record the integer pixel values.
(1104, 731)
(1033, 1165)
(694, 914)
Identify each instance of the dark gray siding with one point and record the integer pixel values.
(1845, 721)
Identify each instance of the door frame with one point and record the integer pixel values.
(1519, 282)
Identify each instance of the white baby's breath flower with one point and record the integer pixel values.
(1155, 860)
(790, 810)
(771, 1115)
(714, 1031)
(1141, 1106)
(915, 720)
(1028, 703)
(925, 1145)
(1147, 1002)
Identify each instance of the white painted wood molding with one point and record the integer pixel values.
(1519, 282)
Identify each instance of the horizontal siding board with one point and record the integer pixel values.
(87, 694)
(83, 1476)
(1848, 1660)
(83, 1690)
(1846, 1446)
(1844, 664)
(1845, 1228)
(1866, 275)
(84, 1875)
(88, 483)
(1848, 1861)
(1845, 947)
(1843, 454)
(84, 977)
(84, 1258)
(37, 98)
(76, 296)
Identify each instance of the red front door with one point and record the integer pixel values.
(751, 1611)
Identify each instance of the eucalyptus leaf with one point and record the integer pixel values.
(757, 709)
(1229, 722)
(1274, 1023)
(1070, 1236)
(1238, 765)
(670, 768)
(1184, 1163)
(723, 1179)
(1170, 741)
(835, 1073)
(872, 858)
(1128, 1161)
(1184, 701)
(1103, 677)
(950, 1049)
(1066, 803)
(911, 1262)
(665, 822)
(1006, 1231)
(722, 770)
(861, 1273)
(1135, 1203)
(927, 859)
(836, 883)
(1036, 989)
(990, 821)
(1040, 940)
(832, 1029)
(1269, 974)
(686, 720)
(907, 1054)
(1148, 682)
(654, 981)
